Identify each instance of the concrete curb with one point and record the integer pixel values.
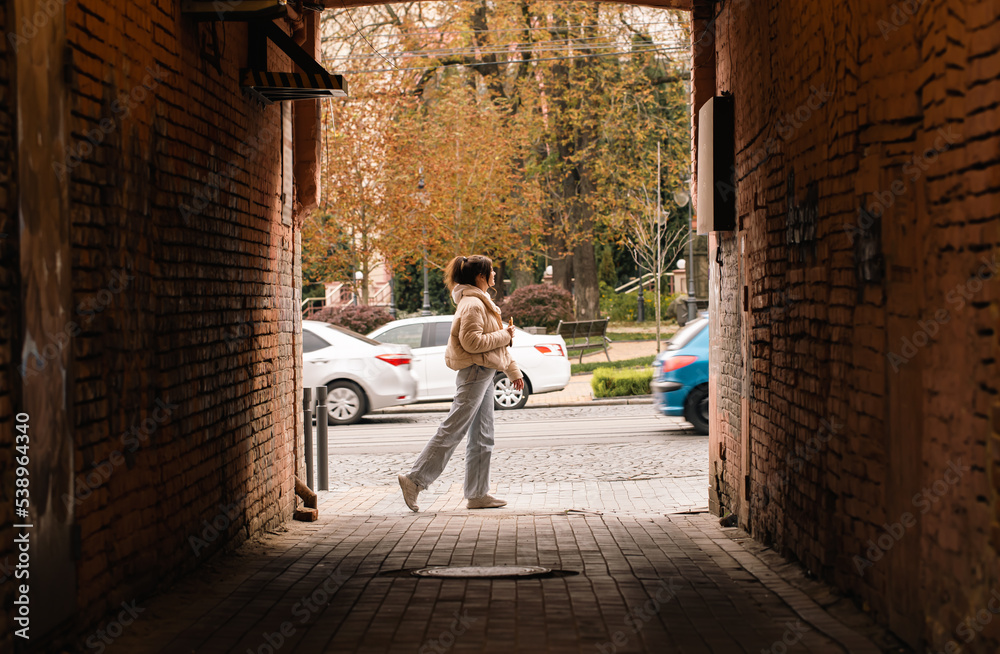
(632, 399)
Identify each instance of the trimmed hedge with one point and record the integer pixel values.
(543, 305)
(360, 318)
(608, 382)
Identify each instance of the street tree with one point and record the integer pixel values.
(359, 223)
(531, 125)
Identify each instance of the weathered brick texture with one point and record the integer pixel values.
(868, 167)
(186, 290)
(188, 369)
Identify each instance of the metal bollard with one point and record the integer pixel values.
(322, 444)
(307, 421)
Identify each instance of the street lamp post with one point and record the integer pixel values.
(358, 282)
(392, 295)
(426, 309)
(682, 198)
(692, 303)
(659, 228)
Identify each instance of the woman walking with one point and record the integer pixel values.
(476, 348)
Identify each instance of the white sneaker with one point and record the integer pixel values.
(410, 490)
(485, 502)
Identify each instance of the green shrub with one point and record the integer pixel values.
(361, 319)
(608, 382)
(622, 307)
(543, 305)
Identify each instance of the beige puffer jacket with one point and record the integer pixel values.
(477, 334)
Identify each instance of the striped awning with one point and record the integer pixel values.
(311, 82)
(276, 87)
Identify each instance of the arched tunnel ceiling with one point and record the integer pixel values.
(662, 4)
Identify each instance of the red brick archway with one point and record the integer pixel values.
(854, 308)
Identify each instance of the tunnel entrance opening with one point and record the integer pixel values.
(853, 309)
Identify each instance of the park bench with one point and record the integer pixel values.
(584, 334)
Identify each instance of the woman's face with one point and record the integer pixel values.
(492, 280)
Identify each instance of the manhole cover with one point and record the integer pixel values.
(471, 572)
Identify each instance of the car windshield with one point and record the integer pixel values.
(348, 332)
(688, 332)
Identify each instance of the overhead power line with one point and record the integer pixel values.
(516, 61)
(519, 46)
(470, 51)
(525, 29)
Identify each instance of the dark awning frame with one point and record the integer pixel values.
(270, 86)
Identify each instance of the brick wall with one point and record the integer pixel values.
(868, 345)
(186, 289)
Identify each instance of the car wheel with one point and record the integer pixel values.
(345, 403)
(504, 395)
(696, 408)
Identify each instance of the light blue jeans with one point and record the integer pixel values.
(472, 413)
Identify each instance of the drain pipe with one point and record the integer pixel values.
(310, 512)
(307, 428)
(322, 442)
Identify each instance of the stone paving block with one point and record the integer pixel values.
(642, 577)
(650, 583)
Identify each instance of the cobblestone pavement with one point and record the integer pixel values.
(591, 507)
(527, 414)
(343, 584)
(677, 459)
(534, 467)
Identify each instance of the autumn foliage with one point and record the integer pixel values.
(515, 130)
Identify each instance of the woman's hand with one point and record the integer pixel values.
(510, 330)
(518, 384)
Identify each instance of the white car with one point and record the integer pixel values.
(361, 375)
(541, 358)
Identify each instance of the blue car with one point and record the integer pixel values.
(680, 375)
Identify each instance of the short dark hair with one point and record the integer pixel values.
(465, 270)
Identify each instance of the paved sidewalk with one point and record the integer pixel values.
(620, 351)
(578, 390)
(610, 498)
(666, 328)
(634, 581)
